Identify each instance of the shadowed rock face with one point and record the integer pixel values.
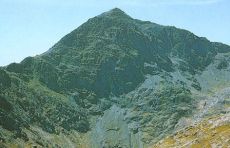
(5, 81)
(140, 79)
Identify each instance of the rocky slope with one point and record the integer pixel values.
(115, 82)
(212, 132)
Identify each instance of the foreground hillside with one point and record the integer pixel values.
(119, 82)
(212, 132)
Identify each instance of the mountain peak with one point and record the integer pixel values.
(115, 12)
(117, 66)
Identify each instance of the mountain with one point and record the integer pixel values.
(116, 81)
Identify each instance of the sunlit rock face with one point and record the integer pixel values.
(211, 132)
(119, 82)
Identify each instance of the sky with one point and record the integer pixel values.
(31, 27)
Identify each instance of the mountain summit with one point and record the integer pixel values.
(143, 81)
(116, 12)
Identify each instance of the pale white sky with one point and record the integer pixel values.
(30, 27)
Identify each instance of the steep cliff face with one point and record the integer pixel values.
(113, 82)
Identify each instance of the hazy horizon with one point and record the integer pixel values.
(29, 28)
